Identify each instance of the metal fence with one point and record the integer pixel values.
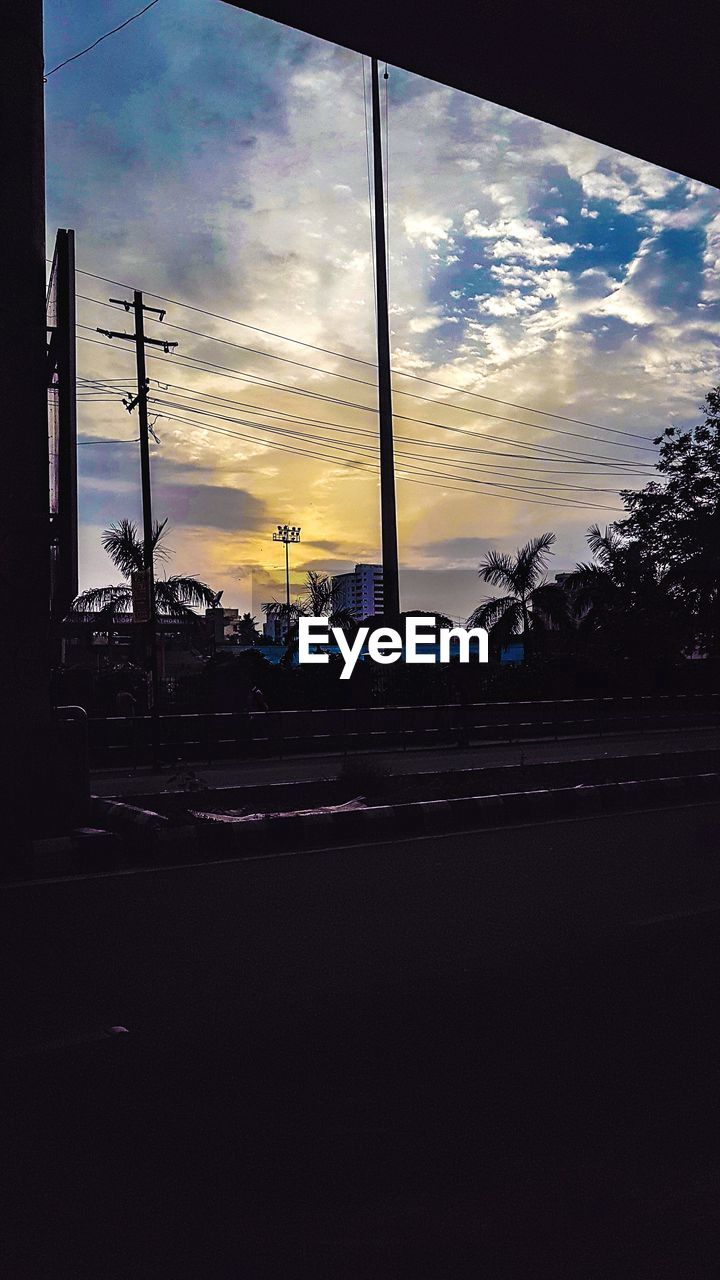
(224, 735)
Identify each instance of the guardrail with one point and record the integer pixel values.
(224, 735)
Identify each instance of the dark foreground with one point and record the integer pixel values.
(473, 1055)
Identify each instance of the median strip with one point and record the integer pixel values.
(212, 836)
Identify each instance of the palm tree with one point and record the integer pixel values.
(320, 601)
(246, 629)
(624, 597)
(529, 602)
(598, 588)
(176, 596)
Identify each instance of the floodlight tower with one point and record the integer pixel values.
(287, 533)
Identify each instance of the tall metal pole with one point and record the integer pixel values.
(287, 533)
(151, 646)
(388, 513)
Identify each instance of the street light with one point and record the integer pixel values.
(287, 533)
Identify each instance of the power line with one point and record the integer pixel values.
(483, 413)
(284, 416)
(100, 39)
(360, 448)
(546, 413)
(206, 366)
(366, 466)
(366, 448)
(353, 404)
(135, 440)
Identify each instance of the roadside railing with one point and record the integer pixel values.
(234, 734)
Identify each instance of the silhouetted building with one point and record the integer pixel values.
(360, 592)
(274, 626)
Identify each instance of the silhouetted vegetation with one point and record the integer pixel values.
(177, 596)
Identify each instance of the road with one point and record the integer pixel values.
(488, 1054)
(318, 766)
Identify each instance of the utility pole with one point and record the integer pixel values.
(287, 533)
(140, 400)
(388, 513)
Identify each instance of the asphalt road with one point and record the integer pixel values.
(122, 782)
(491, 1054)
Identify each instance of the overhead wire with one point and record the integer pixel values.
(414, 472)
(100, 39)
(547, 413)
(483, 413)
(273, 429)
(208, 366)
(371, 448)
(364, 449)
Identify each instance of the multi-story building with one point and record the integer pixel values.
(360, 592)
(274, 626)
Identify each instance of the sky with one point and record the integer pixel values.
(214, 158)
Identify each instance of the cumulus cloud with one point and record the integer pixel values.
(516, 238)
(524, 263)
(426, 229)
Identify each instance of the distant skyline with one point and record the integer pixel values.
(220, 159)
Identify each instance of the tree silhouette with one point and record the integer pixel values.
(529, 602)
(176, 596)
(624, 597)
(676, 522)
(246, 629)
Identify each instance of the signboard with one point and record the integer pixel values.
(141, 587)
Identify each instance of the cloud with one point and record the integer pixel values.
(211, 507)
(426, 229)
(524, 263)
(458, 552)
(516, 238)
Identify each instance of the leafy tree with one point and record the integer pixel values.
(676, 521)
(530, 602)
(176, 596)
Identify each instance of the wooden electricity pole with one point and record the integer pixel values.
(140, 400)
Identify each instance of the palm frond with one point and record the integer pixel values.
(319, 592)
(181, 592)
(550, 604)
(492, 610)
(531, 561)
(124, 546)
(605, 545)
(592, 587)
(342, 618)
(498, 569)
(160, 550)
(108, 600)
